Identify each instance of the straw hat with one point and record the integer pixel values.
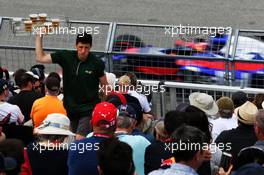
(246, 113)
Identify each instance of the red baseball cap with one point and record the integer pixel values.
(106, 112)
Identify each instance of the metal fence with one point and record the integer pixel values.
(177, 93)
(155, 52)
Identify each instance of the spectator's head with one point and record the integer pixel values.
(258, 100)
(124, 83)
(115, 158)
(104, 118)
(56, 127)
(246, 113)
(239, 98)
(133, 78)
(204, 102)
(52, 84)
(17, 76)
(38, 70)
(193, 140)
(259, 124)
(226, 107)
(8, 165)
(36, 81)
(127, 118)
(250, 169)
(111, 79)
(174, 119)
(197, 118)
(160, 132)
(55, 74)
(4, 74)
(26, 81)
(13, 148)
(3, 89)
(83, 45)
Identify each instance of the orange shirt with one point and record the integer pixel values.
(44, 106)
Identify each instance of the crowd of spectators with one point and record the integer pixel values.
(125, 137)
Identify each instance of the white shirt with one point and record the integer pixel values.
(222, 124)
(142, 100)
(16, 114)
(175, 169)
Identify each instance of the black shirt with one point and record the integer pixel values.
(238, 138)
(24, 100)
(47, 161)
(80, 80)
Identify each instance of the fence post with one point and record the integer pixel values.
(162, 100)
(233, 55)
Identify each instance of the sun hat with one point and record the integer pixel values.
(246, 113)
(204, 102)
(111, 79)
(55, 124)
(225, 105)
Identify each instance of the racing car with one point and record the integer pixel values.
(173, 64)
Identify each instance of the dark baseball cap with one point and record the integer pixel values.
(3, 85)
(127, 111)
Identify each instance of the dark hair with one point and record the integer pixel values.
(239, 98)
(4, 74)
(173, 119)
(25, 79)
(55, 74)
(13, 148)
(182, 107)
(197, 118)
(259, 98)
(52, 84)
(17, 76)
(192, 137)
(115, 158)
(84, 38)
(133, 78)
